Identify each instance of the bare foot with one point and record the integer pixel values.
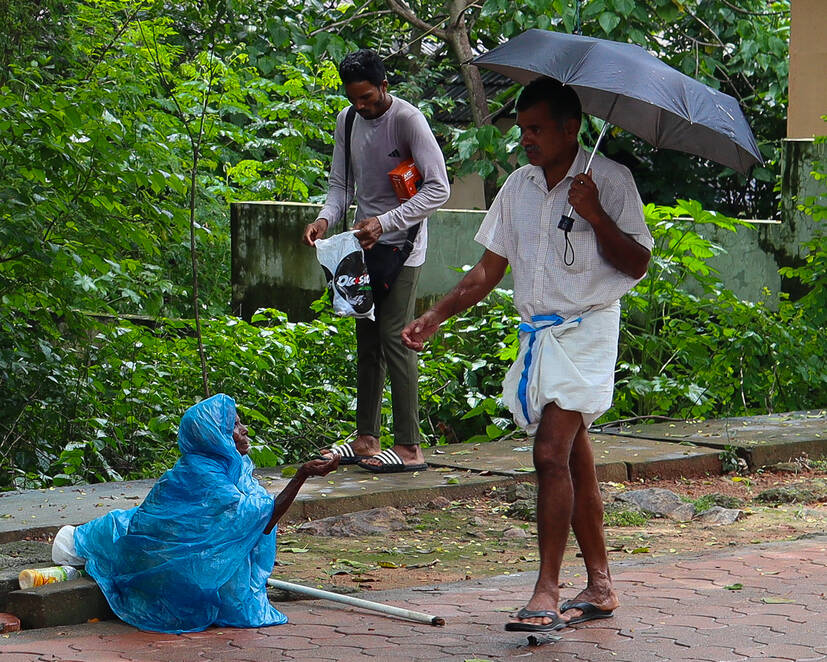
(363, 445)
(410, 454)
(604, 598)
(541, 601)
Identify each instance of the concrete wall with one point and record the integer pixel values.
(272, 268)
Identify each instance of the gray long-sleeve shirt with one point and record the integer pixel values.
(377, 147)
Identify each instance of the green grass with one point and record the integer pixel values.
(625, 518)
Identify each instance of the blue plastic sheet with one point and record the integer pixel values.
(193, 553)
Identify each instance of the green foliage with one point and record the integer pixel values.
(625, 518)
(100, 107)
(461, 373)
(486, 151)
(109, 408)
(729, 459)
(101, 141)
(707, 501)
(692, 348)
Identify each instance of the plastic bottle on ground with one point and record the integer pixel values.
(33, 577)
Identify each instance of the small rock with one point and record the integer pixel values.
(806, 513)
(786, 467)
(515, 532)
(438, 503)
(719, 516)
(477, 521)
(654, 500)
(683, 513)
(521, 491)
(363, 522)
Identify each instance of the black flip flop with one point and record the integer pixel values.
(391, 463)
(346, 454)
(556, 622)
(590, 611)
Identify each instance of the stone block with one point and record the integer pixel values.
(61, 603)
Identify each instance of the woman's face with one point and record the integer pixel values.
(242, 441)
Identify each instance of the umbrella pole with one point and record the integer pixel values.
(605, 128)
(356, 602)
(586, 170)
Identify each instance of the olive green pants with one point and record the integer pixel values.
(380, 351)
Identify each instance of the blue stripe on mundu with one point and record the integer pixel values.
(539, 323)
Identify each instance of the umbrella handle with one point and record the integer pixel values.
(566, 221)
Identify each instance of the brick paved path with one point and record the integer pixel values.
(674, 608)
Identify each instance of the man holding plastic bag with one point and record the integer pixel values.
(380, 134)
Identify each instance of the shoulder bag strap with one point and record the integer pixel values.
(351, 115)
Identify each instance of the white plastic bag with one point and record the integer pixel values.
(343, 262)
(63, 548)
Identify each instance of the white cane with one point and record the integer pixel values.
(357, 602)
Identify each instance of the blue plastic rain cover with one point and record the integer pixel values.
(193, 553)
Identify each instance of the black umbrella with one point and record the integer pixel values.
(630, 88)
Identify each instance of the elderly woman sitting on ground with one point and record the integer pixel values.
(198, 551)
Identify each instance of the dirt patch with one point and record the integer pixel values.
(476, 538)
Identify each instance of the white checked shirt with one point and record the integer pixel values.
(521, 226)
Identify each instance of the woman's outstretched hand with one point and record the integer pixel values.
(319, 467)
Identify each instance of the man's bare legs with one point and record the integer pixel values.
(587, 522)
(567, 491)
(555, 502)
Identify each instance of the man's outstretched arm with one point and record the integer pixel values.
(473, 287)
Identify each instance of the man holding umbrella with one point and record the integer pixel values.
(567, 287)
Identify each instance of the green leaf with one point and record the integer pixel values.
(608, 21)
(734, 587)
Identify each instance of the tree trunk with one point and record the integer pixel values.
(457, 32)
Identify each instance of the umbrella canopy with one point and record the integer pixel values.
(630, 88)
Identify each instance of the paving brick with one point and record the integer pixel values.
(287, 642)
(743, 634)
(667, 617)
(715, 654)
(783, 651)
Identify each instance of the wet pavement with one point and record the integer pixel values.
(763, 602)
